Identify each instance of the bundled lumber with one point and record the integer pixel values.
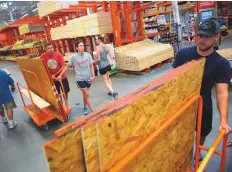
(8, 58)
(68, 56)
(227, 53)
(99, 141)
(141, 55)
(30, 28)
(92, 24)
(48, 7)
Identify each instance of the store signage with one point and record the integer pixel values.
(206, 4)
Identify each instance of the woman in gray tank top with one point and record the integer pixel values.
(104, 65)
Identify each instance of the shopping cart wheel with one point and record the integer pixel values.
(45, 127)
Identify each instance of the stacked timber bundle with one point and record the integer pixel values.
(141, 55)
(30, 28)
(92, 24)
(143, 123)
(48, 7)
(68, 56)
(62, 32)
(227, 53)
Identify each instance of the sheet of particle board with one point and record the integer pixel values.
(118, 133)
(170, 151)
(37, 66)
(89, 136)
(227, 53)
(90, 146)
(66, 153)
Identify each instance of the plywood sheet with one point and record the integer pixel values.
(66, 153)
(117, 134)
(93, 145)
(48, 89)
(170, 151)
(90, 146)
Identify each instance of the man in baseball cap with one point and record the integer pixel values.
(216, 72)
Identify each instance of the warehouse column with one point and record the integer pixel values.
(114, 16)
(176, 15)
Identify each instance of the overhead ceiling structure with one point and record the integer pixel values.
(11, 11)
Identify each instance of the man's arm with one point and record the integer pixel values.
(65, 68)
(222, 94)
(62, 63)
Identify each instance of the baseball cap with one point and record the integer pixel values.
(209, 27)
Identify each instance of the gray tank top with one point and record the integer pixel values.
(104, 61)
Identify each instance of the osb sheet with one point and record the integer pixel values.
(89, 134)
(90, 148)
(66, 154)
(126, 99)
(37, 66)
(170, 151)
(118, 133)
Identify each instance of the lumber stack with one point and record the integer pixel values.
(100, 140)
(141, 55)
(92, 24)
(48, 7)
(30, 28)
(227, 53)
(68, 56)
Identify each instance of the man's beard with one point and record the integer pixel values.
(205, 48)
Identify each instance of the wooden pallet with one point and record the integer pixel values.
(147, 70)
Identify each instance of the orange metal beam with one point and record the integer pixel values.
(129, 30)
(115, 20)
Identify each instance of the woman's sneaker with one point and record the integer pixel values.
(12, 124)
(110, 94)
(4, 119)
(115, 95)
(86, 111)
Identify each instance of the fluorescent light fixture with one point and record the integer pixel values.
(24, 15)
(36, 9)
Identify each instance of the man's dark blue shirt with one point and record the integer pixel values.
(217, 70)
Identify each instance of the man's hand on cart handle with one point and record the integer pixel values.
(226, 127)
(59, 77)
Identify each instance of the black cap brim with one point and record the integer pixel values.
(207, 33)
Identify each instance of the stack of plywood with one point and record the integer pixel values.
(92, 24)
(30, 28)
(47, 7)
(102, 139)
(141, 55)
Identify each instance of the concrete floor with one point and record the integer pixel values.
(21, 149)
